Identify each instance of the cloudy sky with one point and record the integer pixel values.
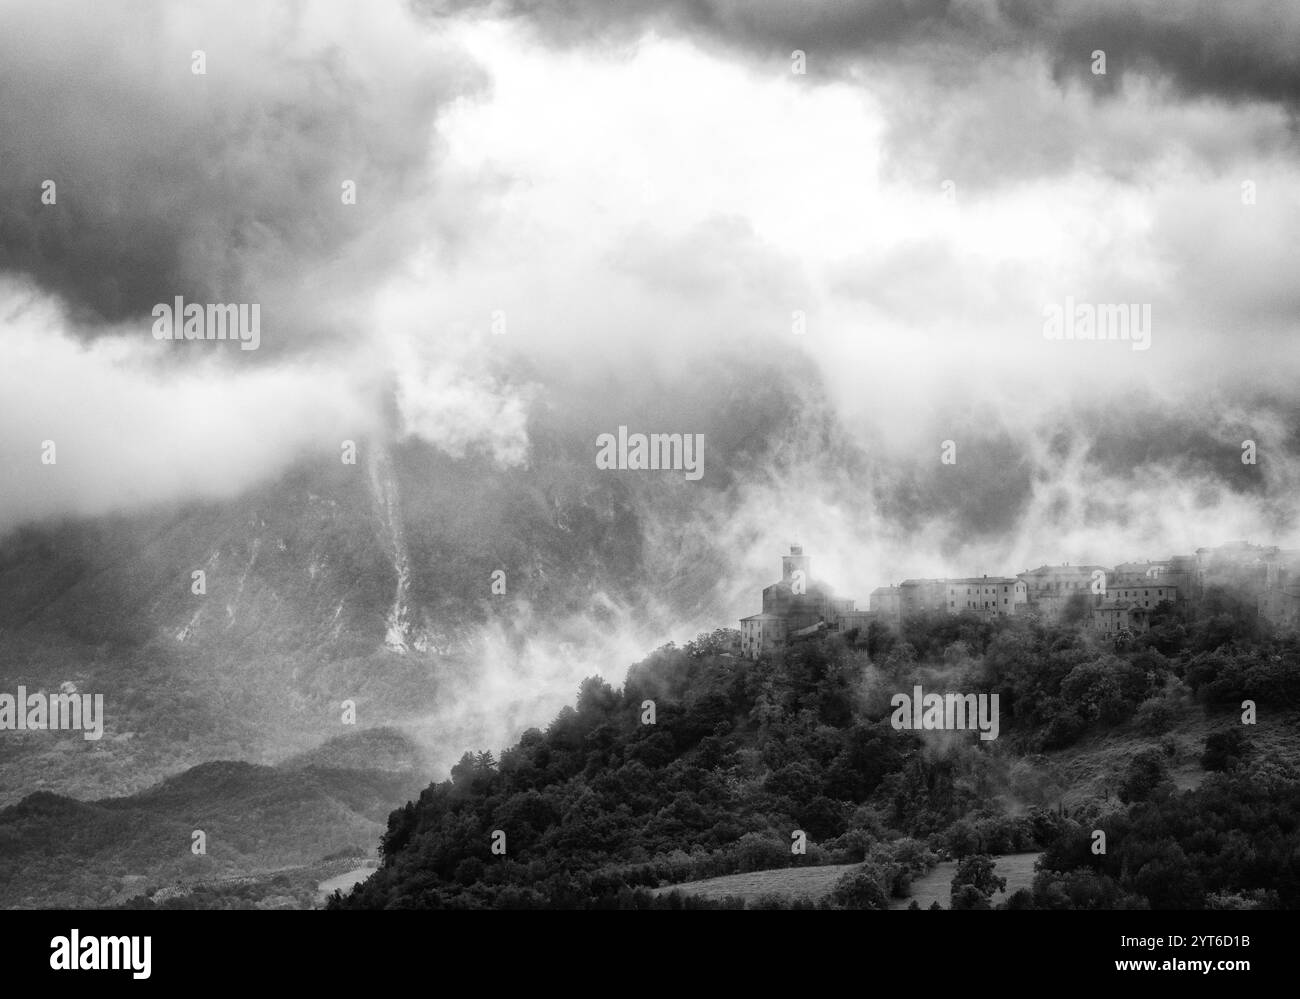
(646, 194)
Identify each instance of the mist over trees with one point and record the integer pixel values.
(604, 806)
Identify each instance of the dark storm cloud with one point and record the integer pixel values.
(1242, 50)
(832, 26)
(221, 187)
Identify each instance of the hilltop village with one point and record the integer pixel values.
(1114, 600)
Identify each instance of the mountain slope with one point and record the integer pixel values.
(56, 851)
(705, 765)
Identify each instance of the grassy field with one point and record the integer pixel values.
(1017, 868)
(790, 882)
(344, 882)
(814, 882)
(1090, 769)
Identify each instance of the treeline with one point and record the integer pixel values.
(705, 764)
(737, 759)
(1056, 684)
(1234, 843)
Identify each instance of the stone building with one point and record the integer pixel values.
(1049, 588)
(1136, 573)
(1115, 616)
(922, 596)
(1110, 601)
(1127, 606)
(1280, 602)
(886, 602)
(760, 633)
(987, 596)
(795, 607)
(1146, 595)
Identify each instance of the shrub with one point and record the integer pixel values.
(1155, 717)
(1144, 777)
(861, 889)
(1225, 750)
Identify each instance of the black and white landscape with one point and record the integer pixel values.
(681, 454)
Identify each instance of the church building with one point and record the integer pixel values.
(796, 607)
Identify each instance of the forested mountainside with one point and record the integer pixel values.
(1141, 741)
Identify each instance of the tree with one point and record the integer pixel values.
(596, 698)
(1225, 750)
(1144, 778)
(1075, 610)
(1022, 899)
(963, 839)
(1155, 717)
(978, 872)
(469, 870)
(713, 643)
(880, 639)
(1096, 690)
(1168, 879)
(970, 897)
(861, 889)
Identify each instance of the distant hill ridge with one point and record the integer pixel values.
(55, 850)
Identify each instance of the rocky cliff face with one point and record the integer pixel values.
(371, 583)
(458, 599)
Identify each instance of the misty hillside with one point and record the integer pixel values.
(433, 592)
(311, 561)
(56, 851)
(368, 583)
(1140, 739)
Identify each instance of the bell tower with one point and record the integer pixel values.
(795, 561)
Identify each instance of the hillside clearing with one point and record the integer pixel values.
(816, 882)
(1017, 868)
(788, 882)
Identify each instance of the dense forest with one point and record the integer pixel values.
(706, 764)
